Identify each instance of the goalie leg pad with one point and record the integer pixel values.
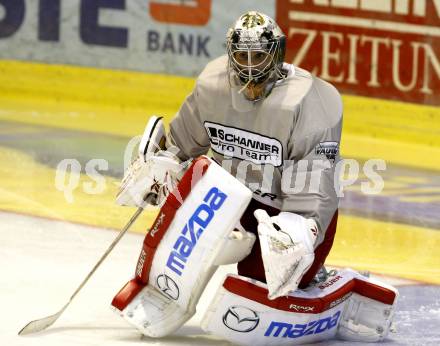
(242, 313)
(180, 252)
(367, 319)
(155, 313)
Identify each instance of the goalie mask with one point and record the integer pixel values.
(256, 50)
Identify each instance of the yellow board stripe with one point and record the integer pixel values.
(120, 102)
(128, 90)
(29, 187)
(386, 247)
(109, 101)
(403, 153)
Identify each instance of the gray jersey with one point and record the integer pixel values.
(284, 148)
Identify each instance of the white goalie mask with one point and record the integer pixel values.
(256, 48)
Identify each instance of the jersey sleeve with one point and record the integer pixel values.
(187, 132)
(308, 184)
(308, 177)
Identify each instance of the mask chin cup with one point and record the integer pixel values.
(243, 84)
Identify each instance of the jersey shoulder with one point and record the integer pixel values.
(214, 76)
(290, 91)
(322, 105)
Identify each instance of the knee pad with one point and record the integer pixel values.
(242, 313)
(181, 251)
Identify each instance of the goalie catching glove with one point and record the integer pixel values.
(287, 248)
(156, 170)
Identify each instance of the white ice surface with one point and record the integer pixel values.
(42, 263)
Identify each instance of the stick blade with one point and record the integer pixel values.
(39, 325)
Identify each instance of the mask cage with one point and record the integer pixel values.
(257, 61)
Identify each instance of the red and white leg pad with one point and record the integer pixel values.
(347, 305)
(182, 250)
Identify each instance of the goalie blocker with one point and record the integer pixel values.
(192, 234)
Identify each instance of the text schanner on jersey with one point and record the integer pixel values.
(244, 145)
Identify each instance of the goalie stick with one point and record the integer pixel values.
(43, 323)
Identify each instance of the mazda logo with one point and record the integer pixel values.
(241, 319)
(167, 286)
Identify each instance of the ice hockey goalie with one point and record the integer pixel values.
(195, 232)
